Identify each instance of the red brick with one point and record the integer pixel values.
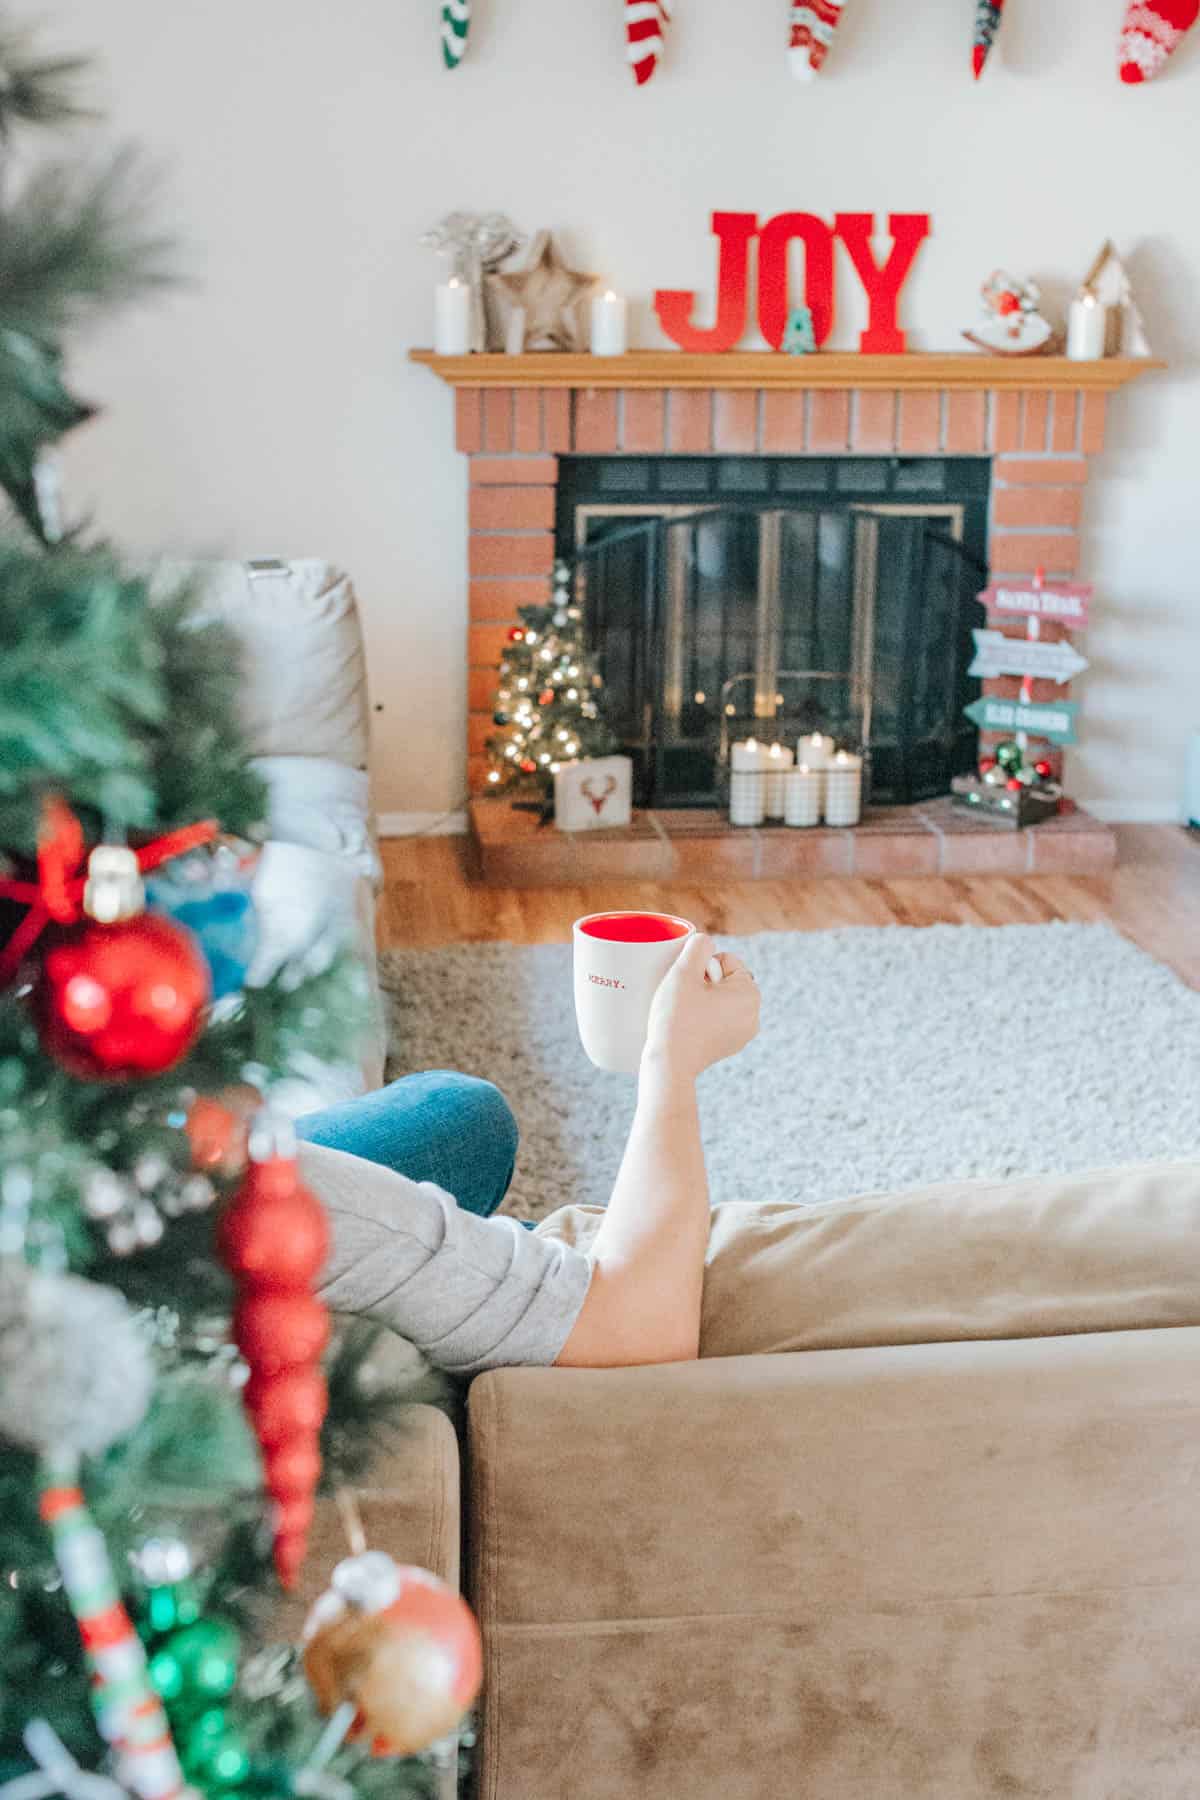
(985, 853)
(1091, 423)
(1021, 472)
(532, 554)
(1032, 506)
(485, 645)
(1037, 412)
(689, 421)
(481, 688)
(920, 432)
(514, 471)
(1064, 422)
(874, 420)
(645, 421)
(1073, 852)
(497, 418)
(966, 423)
(596, 421)
(735, 421)
(500, 599)
(829, 420)
(1006, 421)
(511, 509)
(556, 419)
(527, 420)
(894, 854)
(468, 419)
(783, 430)
(1022, 554)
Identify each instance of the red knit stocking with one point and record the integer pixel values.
(1152, 30)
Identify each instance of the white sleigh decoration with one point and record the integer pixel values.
(595, 795)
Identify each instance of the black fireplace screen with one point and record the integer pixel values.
(772, 614)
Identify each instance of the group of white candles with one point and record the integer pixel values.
(452, 322)
(766, 781)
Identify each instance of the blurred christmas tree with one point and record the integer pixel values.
(163, 1377)
(548, 703)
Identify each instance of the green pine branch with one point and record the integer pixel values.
(35, 89)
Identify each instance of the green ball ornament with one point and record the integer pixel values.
(169, 1607)
(500, 718)
(197, 1664)
(1010, 756)
(213, 1755)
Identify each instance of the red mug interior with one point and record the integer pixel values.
(635, 927)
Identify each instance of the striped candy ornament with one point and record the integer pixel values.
(128, 1711)
(813, 23)
(988, 14)
(645, 23)
(1150, 35)
(456, 26)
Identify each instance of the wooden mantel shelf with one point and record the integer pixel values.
(770, 369)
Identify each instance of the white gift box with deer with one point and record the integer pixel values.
(594, 795)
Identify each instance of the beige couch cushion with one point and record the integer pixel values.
(1113, 1251)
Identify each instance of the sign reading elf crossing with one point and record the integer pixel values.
(996, 654)
(1067, 601)
(1052, 719)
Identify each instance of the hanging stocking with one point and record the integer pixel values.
(645, 23)
(813, 23)
(456, 23)
(988, 14)
(1152, 30)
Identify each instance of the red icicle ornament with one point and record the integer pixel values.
(274, 1238)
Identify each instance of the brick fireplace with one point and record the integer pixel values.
(1040, 420)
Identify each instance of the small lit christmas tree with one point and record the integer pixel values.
(548, 704)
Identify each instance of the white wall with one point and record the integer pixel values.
(271, 409)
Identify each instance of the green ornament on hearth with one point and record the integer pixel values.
(1010, 756)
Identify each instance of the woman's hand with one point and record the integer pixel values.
(695, 1022)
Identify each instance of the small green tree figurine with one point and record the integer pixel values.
(799, 338)
(548, 709)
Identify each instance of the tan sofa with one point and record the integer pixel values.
(920, 1571)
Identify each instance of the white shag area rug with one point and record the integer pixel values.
(888, 1058)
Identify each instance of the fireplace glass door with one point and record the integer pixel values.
(724, 621)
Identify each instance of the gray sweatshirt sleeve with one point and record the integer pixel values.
(471, 1293)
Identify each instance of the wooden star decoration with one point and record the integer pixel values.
(551, 295)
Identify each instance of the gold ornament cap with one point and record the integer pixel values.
(114, 889)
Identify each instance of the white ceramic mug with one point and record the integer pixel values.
(620, 959)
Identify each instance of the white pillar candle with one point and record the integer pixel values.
(843, 789)
(1087, 328)
(779, 761)
(816, 750)
(514, 335)
(747, 783)
(610, 325)
(803, 794)
(452, 318)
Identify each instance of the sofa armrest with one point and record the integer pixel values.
(409, 1505)
(938, 1571)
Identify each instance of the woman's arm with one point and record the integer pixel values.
(643, 1305)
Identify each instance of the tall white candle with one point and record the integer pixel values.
(779, 761)
(452, 318)
(804, 791)
(843, 789)
(610, 325)
(514, 335)
(1087, 328)
(816, 750)
(747, 783)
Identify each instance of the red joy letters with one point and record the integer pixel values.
(736, 231)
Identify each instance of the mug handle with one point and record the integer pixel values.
(714, 971)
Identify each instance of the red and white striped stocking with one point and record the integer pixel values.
(645, 23)
(1152, 30)
(813, 23)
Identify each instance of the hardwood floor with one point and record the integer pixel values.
(431, 897)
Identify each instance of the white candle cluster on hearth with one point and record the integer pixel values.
(1087, 328)
(804, 793)
(843, 789)
(778, 762)
(816, 750)
(747, 782)
(452, 318)
(610, 325)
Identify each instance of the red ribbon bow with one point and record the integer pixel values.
(57, 894)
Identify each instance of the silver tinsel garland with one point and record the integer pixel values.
(75, 1369)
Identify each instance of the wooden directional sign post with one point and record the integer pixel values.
(1053, 720)
(996, 654)
(1066, 601)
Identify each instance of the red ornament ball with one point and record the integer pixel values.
(274, 1234)
(122, 1001)
(528, 766)
(1014, 785)
(1043, 769)
(516, 635)
(546, 697)
(986, 763)
(276, 1332)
